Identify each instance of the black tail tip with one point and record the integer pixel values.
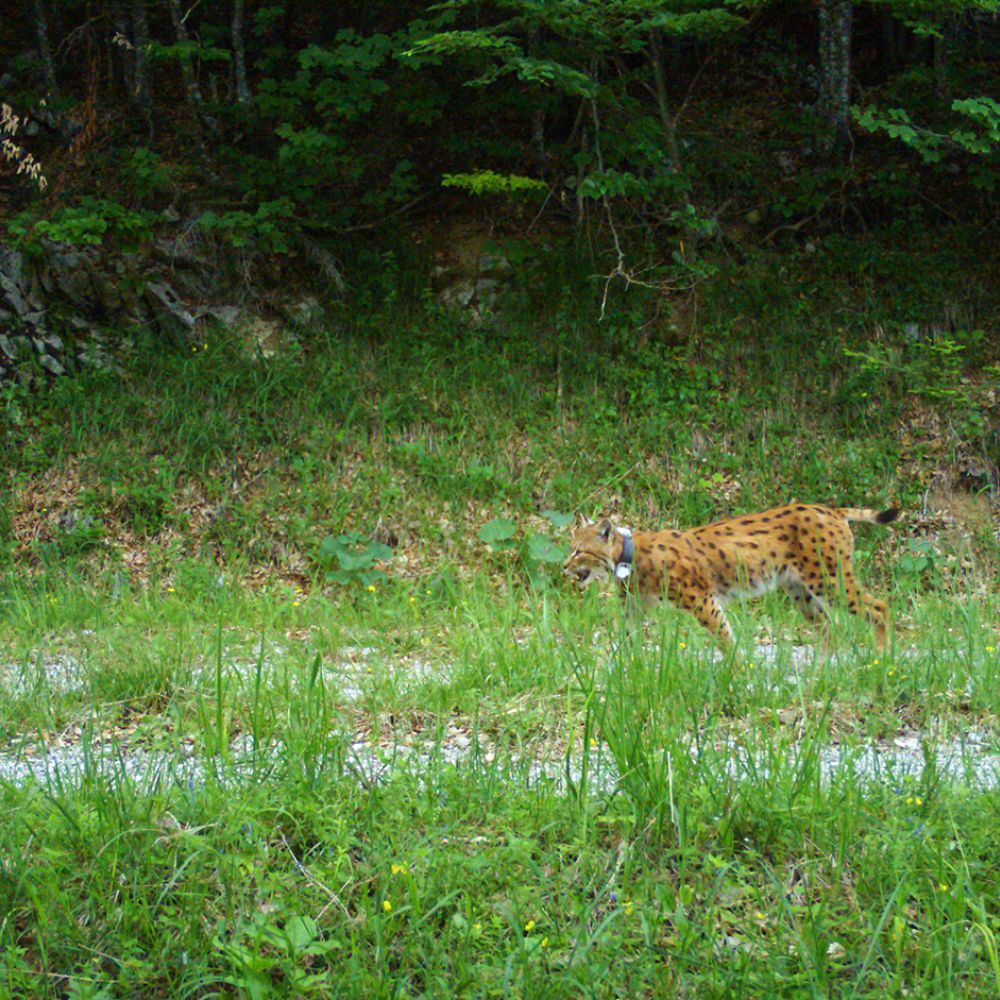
(887, 516)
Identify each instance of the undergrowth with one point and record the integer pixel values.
(429, 432)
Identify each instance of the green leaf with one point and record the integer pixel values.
(698, 24)
(497, 530)
(913, 564)
(300, 931)
(557, 519)
(543, 549)
(379, 550)
(353, 561)
(332, 546)
(489, 182)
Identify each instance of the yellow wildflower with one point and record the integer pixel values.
(529, 926)
(387, 906)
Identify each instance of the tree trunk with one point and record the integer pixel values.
(44, 49)
(581, 174)
(538, 136)
(662, 103)
(835, 73)
(889, 48)
(191, 87)
(141, 91)
(949, 39)
(243, 95)
(538, 115)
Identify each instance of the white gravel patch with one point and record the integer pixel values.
(352, 672)
(58, 674)
(972, 761)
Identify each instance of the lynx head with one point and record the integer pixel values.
(591, 551)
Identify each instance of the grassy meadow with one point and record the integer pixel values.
(442, 771)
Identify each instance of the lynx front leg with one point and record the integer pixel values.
(709, 612)
(814, 608)
(635, 611)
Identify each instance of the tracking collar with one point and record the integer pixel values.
(624, 567)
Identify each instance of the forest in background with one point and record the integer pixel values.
(669, 131)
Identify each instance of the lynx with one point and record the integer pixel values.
(805, 549)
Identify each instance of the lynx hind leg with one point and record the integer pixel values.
(859, 602)
(878, 612)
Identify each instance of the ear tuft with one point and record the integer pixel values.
(581, 521)
(604, 530)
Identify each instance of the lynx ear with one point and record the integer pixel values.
(604, 530)
(581, 521)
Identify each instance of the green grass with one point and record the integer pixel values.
(726, 858)
(470, 780)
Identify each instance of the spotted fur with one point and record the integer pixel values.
(805, 549)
